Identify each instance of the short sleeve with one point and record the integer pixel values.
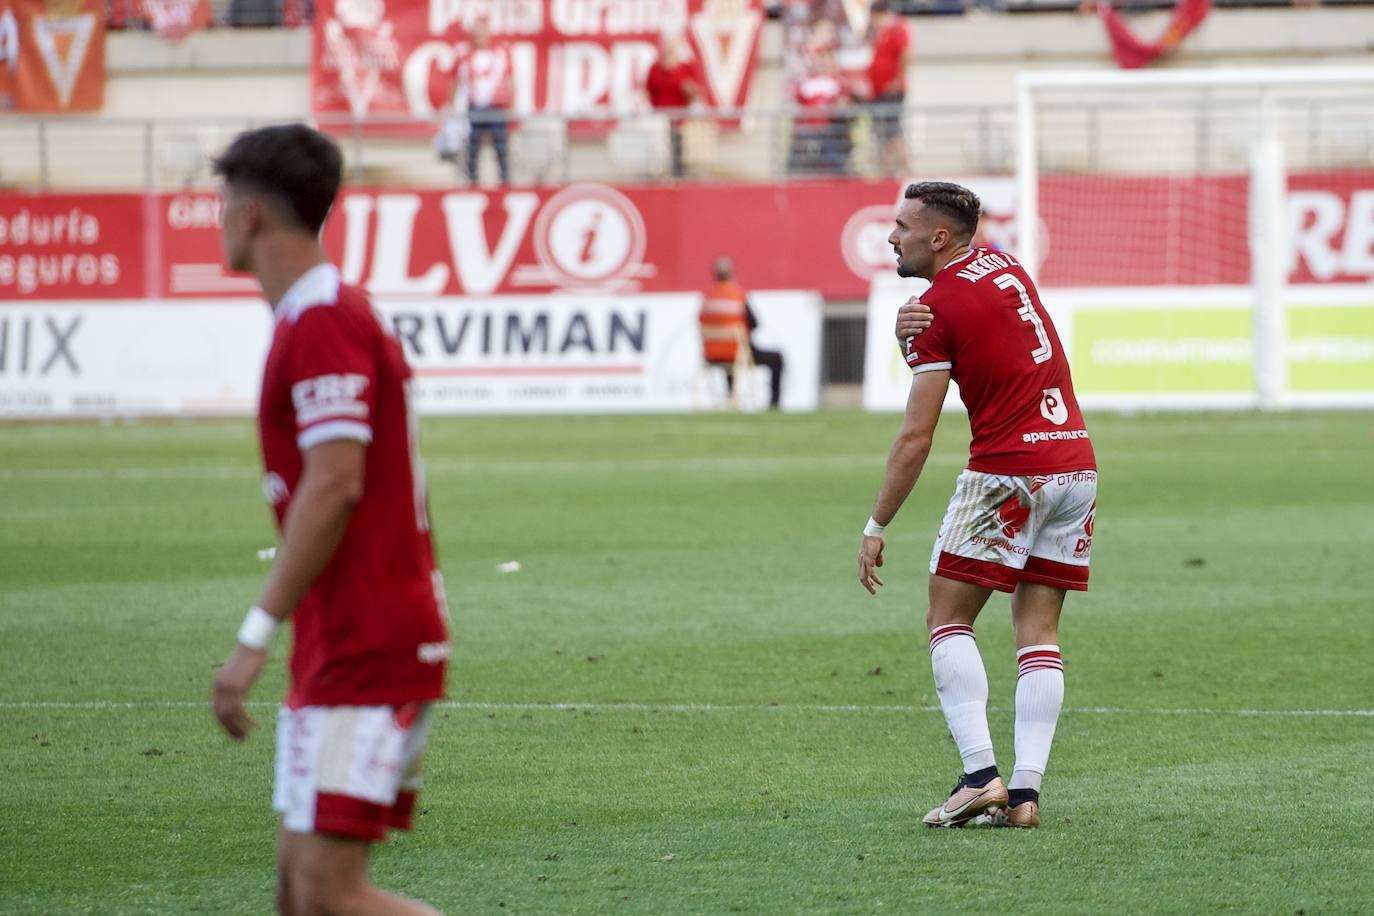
(931, 349)
(333, 376)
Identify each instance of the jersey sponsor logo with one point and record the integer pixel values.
(432, 653)
(1013, 515)
(999, 544)
(1052, 406)
(274, 489)
(336, 395)
(1084, 545)
(1054, 435)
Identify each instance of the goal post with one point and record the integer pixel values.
(1166, 195)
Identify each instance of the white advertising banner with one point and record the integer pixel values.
(559, 353)
(111, 358)
(1170, 347)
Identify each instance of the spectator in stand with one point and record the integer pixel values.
(892, 55)
(820, 133)
(484, 92)
(672, 84)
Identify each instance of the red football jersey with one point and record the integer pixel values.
(371, 629)
(998, 342)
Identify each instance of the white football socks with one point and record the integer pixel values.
(962, 685)
(1039, 696)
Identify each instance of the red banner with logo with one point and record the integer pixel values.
(399, 60)
(825, 236)
(54, 54)
(829, 236)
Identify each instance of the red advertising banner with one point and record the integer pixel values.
(74, 246)
(567, 57)
(1190, 231)
(54, 54)
(828, 236)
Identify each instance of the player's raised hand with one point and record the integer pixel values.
(870, 558)
(229, 693)
(912, 318)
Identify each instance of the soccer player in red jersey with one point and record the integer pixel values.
(355, 571)
(1021, 519)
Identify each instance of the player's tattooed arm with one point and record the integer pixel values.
(912, 318)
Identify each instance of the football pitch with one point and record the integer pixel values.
(684, 702)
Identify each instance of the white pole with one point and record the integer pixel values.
(1027, 181)
(1269, 261)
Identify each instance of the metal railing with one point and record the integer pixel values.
(1093, 135)
(748, 145)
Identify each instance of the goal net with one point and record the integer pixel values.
(1204, 238)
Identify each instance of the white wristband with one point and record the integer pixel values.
(258, 628)
(873, 529)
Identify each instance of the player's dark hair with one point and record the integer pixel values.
(951, 200)
(300, 167)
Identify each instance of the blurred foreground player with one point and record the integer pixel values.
(1021, 519)
(355, 571)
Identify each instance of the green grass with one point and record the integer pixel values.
(754, 733)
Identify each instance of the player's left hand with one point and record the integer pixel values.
(229, 693)
(870, 558)
(912, 318)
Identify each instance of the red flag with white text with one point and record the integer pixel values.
(397, 60)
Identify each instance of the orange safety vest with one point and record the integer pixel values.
(723, 308)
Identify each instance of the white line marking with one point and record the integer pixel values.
(596, 465)
(723, 707)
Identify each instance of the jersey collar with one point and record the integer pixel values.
(959, 260)
(317, 286)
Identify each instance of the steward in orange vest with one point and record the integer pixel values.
(726, 308)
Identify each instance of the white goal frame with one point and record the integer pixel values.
(1268, 184)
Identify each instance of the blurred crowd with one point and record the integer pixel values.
(843, 69)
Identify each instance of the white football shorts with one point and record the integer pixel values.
(1000, 530)
(351, 771)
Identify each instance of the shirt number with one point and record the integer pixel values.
(1028, 313)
